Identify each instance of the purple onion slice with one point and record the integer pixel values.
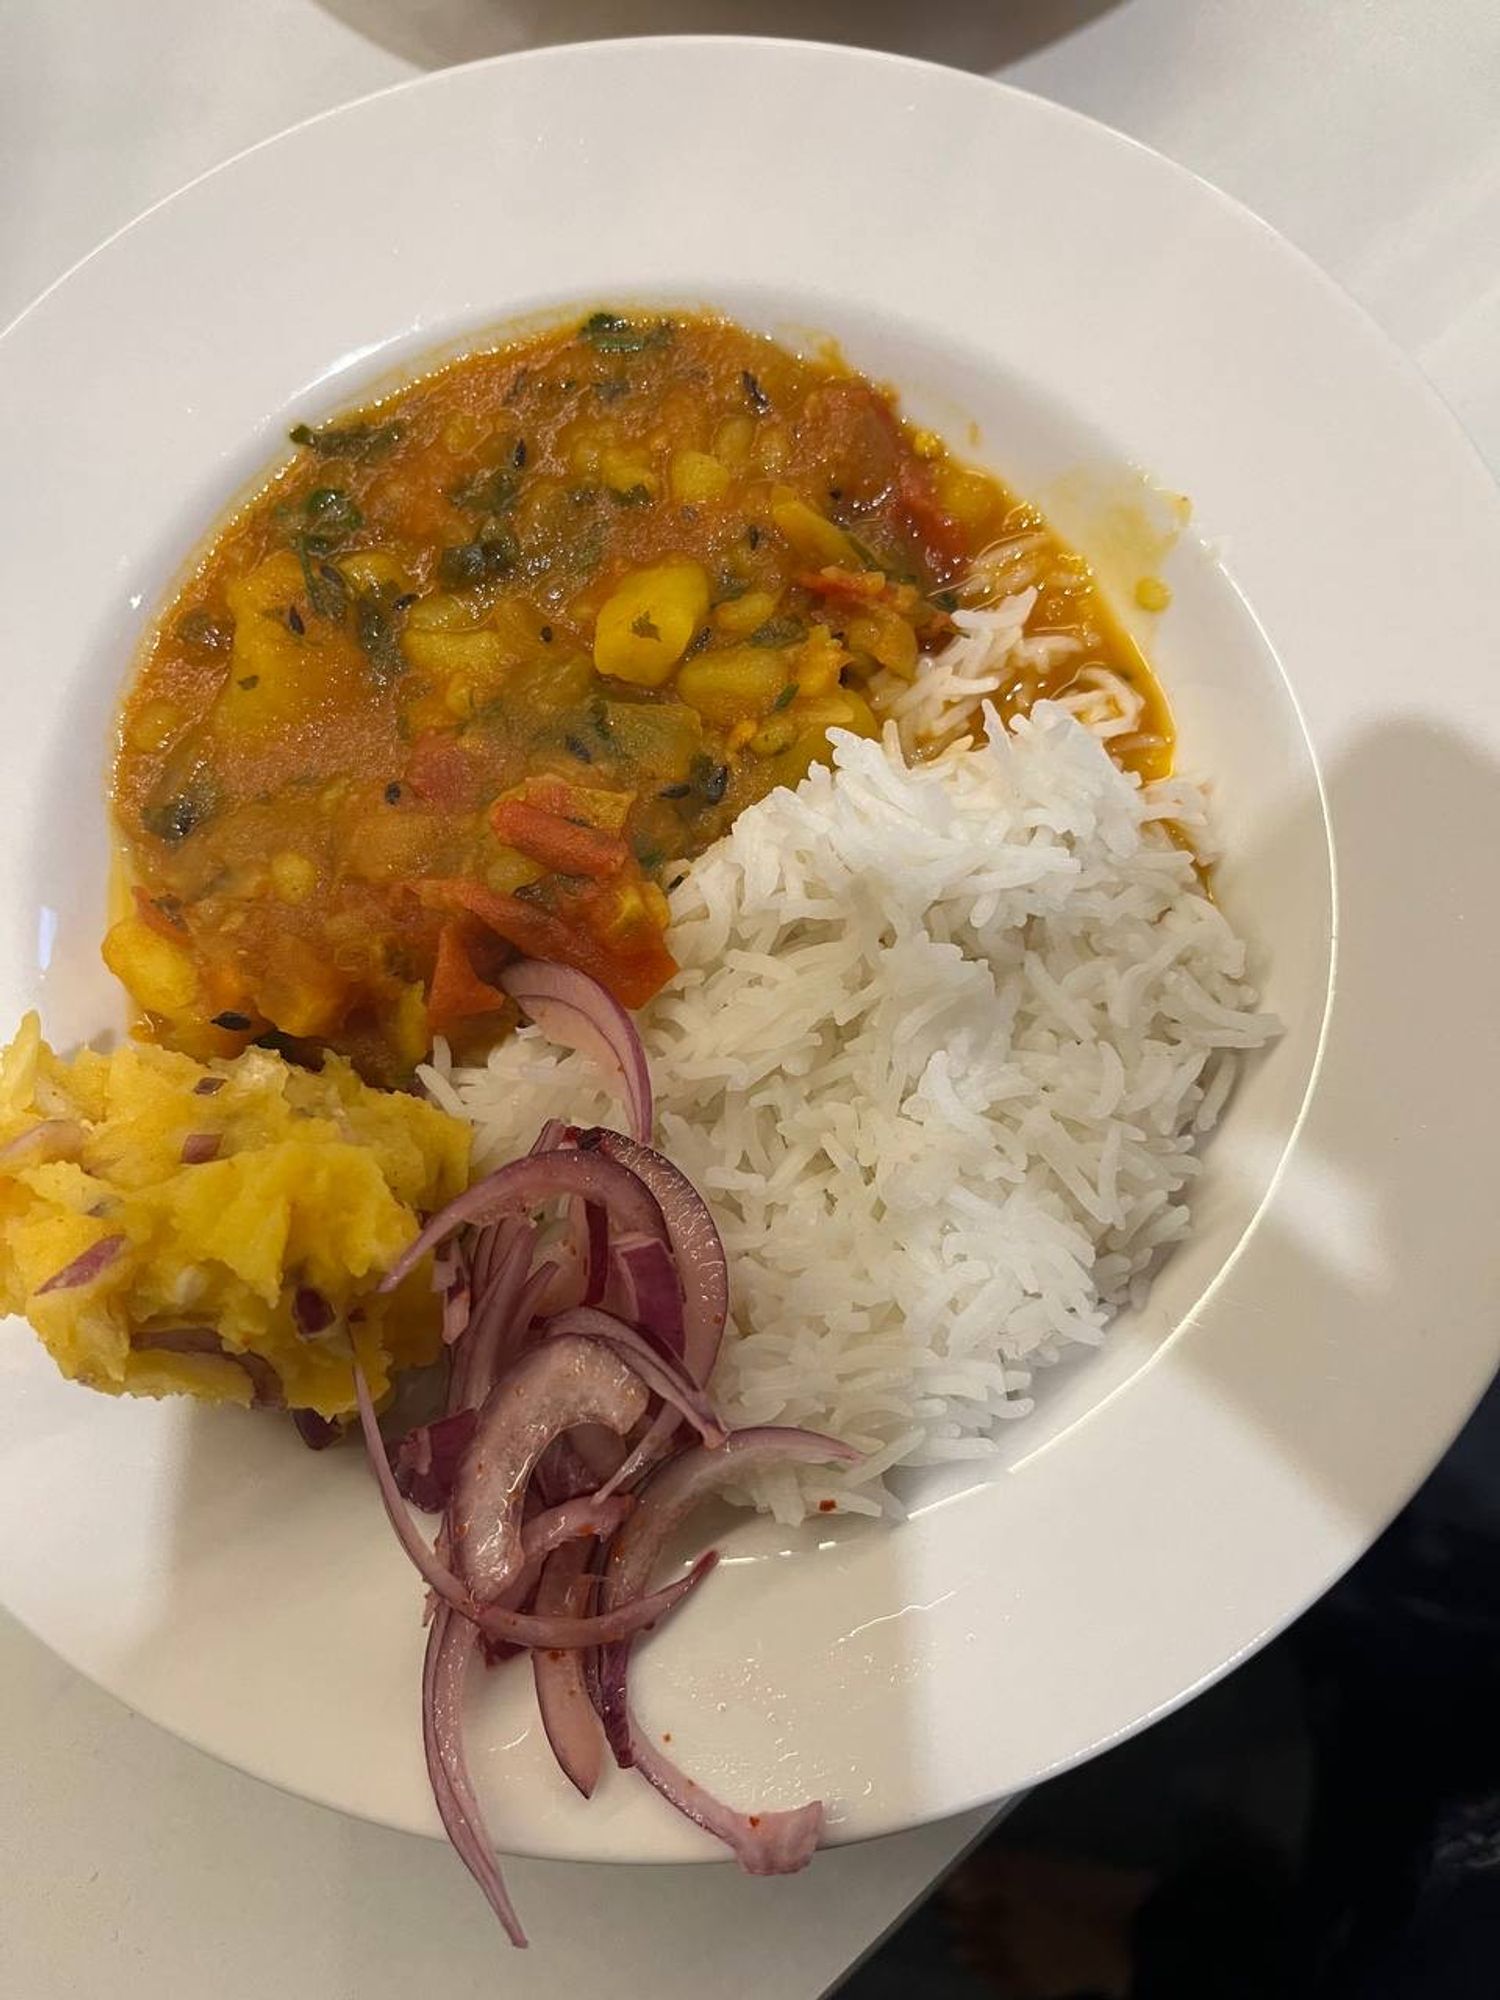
(564, 1382)
(85, 1267)
(763, 1843)
(578, 1012)
(525, 1184)
(562, 1694)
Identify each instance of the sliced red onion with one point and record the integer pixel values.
(265, 1383)
(316, 1432)
(587, 1518)
(661, 1376)
(568, 1253)
(311, 1312)
(647, 1451)
(523, 1185)
(575, 1010)
(701, 1266)
(650, 1288)
(517, 1628)
(493, 1314)
(570, 1250)
(429, 1565)
(677, 1487)
(492, 1252)
(449, 1644)
(450, 1280)
(85, 1267)
(562, 1695)
(694, 1240)
(427, 1458)
(604, 1628)
(200, 1147)
(51, 1139)
(563, 1474)
(763, 1843)
(515, 1334)
(487, 1248)
(596, 1231)
(176, 1340)
(543, 1394)
(600, 1450)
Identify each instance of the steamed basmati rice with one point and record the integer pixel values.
(941, 1048)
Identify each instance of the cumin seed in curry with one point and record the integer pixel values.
(487, 661)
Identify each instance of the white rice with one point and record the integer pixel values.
(942, 1045)
(936, 708)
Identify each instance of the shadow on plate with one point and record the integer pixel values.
(959, 32)
(1415, 900)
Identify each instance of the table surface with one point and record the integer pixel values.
(1365, 131)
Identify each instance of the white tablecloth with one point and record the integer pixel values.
(1365, 130)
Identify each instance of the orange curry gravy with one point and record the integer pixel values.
(477, 671)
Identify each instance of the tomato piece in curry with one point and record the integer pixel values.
(487, 661)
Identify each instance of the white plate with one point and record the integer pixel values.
(1304, 1359)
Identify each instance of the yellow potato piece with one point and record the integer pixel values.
(450, 652)
(887, 637)
(741, 683)
(270, 666)
(819, 661)
(697, 478)
(644, 625)
(158, 974)
(368, 569)
(816, 539)
(318, 1181)
(293, 876)
(739, 616)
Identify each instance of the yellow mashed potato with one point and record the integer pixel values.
(303, 1184)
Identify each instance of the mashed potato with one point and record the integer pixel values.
(217, 1231)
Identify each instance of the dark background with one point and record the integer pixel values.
(1325, 1822)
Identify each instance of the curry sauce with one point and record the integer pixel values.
(487, 661)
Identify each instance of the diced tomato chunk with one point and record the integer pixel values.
(558, 843)
(943, 540)
(832, 581)
(633, 966)
(457, 992)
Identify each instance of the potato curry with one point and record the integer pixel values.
(490, 659)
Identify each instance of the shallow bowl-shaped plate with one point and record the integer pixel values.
(1091, 308)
